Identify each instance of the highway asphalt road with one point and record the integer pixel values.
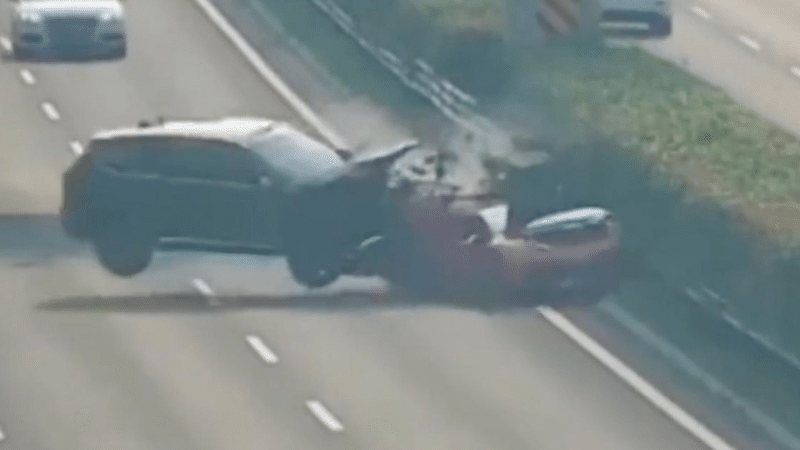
(91, 361)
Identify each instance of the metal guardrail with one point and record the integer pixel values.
(418, 75)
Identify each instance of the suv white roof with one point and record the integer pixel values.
(233, 129)
(70, 7)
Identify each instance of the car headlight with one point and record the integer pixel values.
(109, 16)
(30, 16)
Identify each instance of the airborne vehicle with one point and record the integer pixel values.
(235, 185)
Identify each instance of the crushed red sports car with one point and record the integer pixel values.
(440, 243)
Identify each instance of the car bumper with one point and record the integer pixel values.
(39, 41)
(94, 48)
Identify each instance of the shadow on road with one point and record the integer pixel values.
(338, 302)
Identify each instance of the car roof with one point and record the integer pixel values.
(71, 7)
(237, 130)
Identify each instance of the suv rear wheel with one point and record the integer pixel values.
(124, 249)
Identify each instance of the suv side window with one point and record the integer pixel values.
(201, 160)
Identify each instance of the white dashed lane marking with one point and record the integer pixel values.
(27, 77)
(749, 42)
(262, 350)
(701, 12)
(76, 147)
(50, 111)
(795, 71)
(6, 43)
(2, 436)
(205, 290)
(324, 416)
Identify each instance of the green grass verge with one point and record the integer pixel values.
(455, 16)
(688, 128)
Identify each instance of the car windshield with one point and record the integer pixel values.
(295, 158)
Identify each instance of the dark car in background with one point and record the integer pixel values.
(636, 19)
(68, 27)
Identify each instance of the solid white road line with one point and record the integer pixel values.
(269, 74)
(76, 147)
(6, 44)
(559, 321)
(27, 77)
(50, 111)
(701, 12)
(324, 416)
(262, 350)
(634, 380)
(205, 290)
(749, 42)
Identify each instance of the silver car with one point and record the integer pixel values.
(58, 27)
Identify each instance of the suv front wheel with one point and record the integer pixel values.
(124, 250)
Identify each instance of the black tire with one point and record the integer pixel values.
(313, 272)
(124, 250)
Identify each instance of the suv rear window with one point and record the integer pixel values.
(184, 158)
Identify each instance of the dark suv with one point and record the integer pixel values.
(236, 185)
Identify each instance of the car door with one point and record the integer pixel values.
(183, 203)
(125, 184)
(247, 194)
(240, 199)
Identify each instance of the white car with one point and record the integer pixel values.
(56, 27)
(638, 19)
